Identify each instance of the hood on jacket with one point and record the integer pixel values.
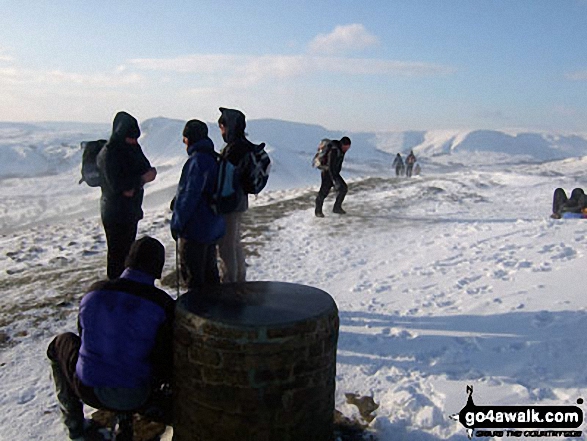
(203, 145)
(124, 126)
(234, 121)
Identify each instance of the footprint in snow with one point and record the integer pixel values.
(566, 253)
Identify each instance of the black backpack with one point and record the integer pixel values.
(255, 167)
(90, 173)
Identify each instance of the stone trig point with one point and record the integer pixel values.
(255, 362)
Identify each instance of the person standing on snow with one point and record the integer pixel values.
(331, 176)
(398, 163)
(410, 161)
(193, 223)
(122, 355)
(125, 170)
(232, 125)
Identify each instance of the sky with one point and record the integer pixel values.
(381, 65)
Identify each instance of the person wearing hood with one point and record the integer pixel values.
(398, 163)
(194, 224)
(125, 170)
(232, 125)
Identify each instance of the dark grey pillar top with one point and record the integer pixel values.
(259, 303)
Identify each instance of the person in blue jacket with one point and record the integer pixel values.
(123, 353)
(194, 224)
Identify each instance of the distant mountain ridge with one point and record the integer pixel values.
(40, 149)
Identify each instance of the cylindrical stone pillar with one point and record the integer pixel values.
(255, 362)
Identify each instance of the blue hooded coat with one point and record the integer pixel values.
(193, 218)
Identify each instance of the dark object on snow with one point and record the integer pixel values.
(144, 428)
(347, 429)
(561, 204)
(366, 405)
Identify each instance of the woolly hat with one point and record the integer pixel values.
(147, 255)
(195, 130)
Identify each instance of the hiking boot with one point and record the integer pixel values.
(319, 213)
(338, 210)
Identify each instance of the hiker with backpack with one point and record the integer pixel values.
(124, 170)
(194, 223)
(122, 354)
(253, 165)
(333, 157)
(410, 161)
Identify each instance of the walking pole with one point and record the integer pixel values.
(177, 266)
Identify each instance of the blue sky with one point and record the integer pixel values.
(348, 65)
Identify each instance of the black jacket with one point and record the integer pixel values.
(122, 166)
(336, 158)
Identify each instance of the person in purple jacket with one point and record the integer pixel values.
(123, 353)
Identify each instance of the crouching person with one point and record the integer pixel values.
(123, 354)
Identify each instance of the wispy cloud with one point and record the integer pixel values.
(565, 111)
(343, 39)
(580, 75)
(326, 55)
(248, 70)
(4, 57)
(13, 75)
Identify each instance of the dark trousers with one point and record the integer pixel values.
(119, 238)
(409, 170)
(574, 204)
(328, 182)
(558, 200)
(198, 263)
(63, 353)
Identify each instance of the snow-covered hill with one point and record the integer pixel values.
(28, 150)
(39, 163)
(451, 278)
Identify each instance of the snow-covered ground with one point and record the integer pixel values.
(456, 277)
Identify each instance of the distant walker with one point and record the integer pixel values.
(333, 159)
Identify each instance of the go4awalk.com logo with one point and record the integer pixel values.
(520, 421)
